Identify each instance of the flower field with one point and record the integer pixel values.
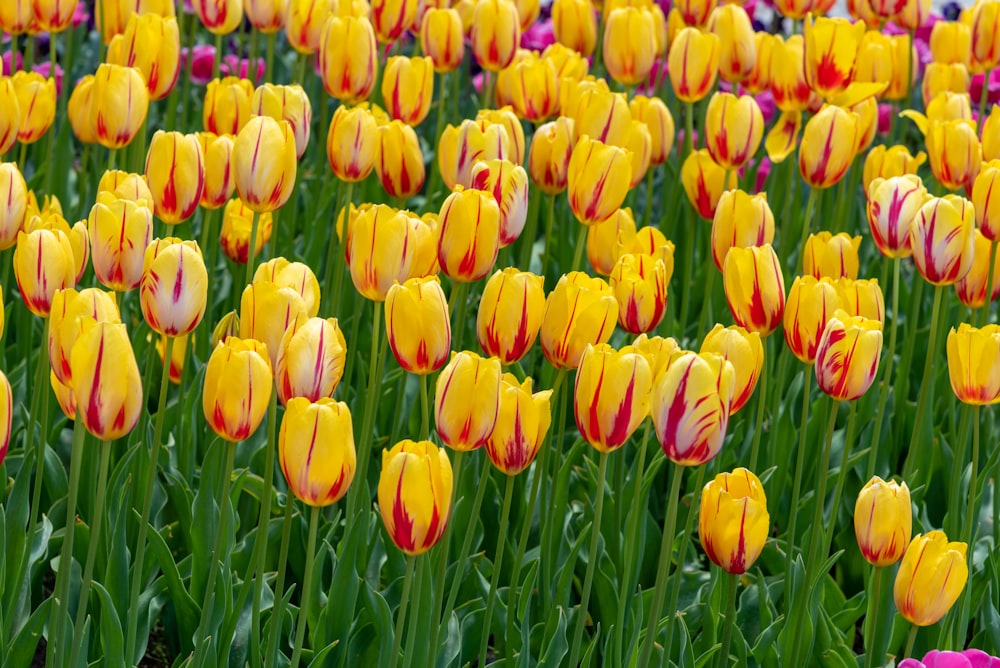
(455, 333)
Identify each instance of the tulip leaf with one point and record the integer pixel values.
(22, 647)
(556, 645)
(588, 653)
(382, 615)
(186, 611)
(568, 571)
(320, 658)
(112, 638)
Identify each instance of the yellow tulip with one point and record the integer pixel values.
(496, 34)
(580, 310)
(828, 146)
(285, 103)
(316, 450)
(740, 221)
(227, 105)
(266, 16)
(175, 172)
(69, 311)
(509, 185)
(831, 49)
(598, 180)
(883, 521)
(470, 235)
(734, 127)
(733, 522)
(974, 364)
(510, 314)
(39, 280)
(848, 355)
(106, 382)
(237, 388)
(611, 395)
(467, 401)
(311, 359)
(348, 58)
(942, 239)
(220, 17)
(217, 152)
(831, 255)
(399, 162)
(521, 427)
(234, 237)
(408, 88)
(654, 113)
(264, 163)
(10, 112)
(930, 579)
(629, 44)
(152, 45)
(417, 325)
(380, 251)
(305, 21)
(883, 162)
(36, 96)
(693, 62)
(737, 47)
(442, 38)
(755, 288)
(640, 285)
(414, 494)
(745, 351)
(705, 181)
(14, 205)
(575, 25)
(119, 230)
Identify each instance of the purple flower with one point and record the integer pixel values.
(970, 658)
(538, 36)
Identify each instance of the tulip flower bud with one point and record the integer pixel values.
(476, 141)
(175, 172)
(295, 275)
(611, 395)
(220, 17)
(227, 105)
(693, 63)
(640, 286)
(380, 251)
(70, 310)
(580, 310)
(755, 288)
(811, 303)
(264, 140)
(510, 314)
(640, 145)
(305, 21)
(399, 162)
(733, 522)
(848, 355)
(948, 106)
(974, 364)
(268, 311)
(862, 298)
(598, 179)
(740, 221)
(550, 155)
(893, 204)
(119, 230)
(509, 185)
(745, 351)
(828, 146)
(238, 387)
(10, 110)
(693, 389)
(629, 44)
(316, 450)
(759, 78)
(408, 88)
(442, 38)
(940, 78)
(267, 16)
(523, 422)
(831, 49)
(985, 202)
(734, 127)
(705, 181)
(605, 240)
(954, 152)
(228, 326)
(574, 25)
(39, 280)
(657, 350)
(649, 241)
(351, 144)
(125, 185)
(13, 205)
(654, 113)
(414, 494)
(286, 103)
(467, 400)
(217, 152)
(16, 17)
(496, 33)
(738, 50)
(985, 37)
(951, 42)
(874, 62)
(470, 235)
(942, 239)
(883, 521)
(417, 325)
(65, 397)
(106, 382)
(930, 579)
(534, 88)
(7, 414)
(695, 13)
(831, 255)
(888, 162)
(119, 106)
(152, 45)
(234, 237)
(391, 18)
(426, 231)
(174, 289)
(788, 83)
(50, 218)
(36, 96)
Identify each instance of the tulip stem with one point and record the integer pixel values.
(271, 39)
(972, 508)
(761, 404)
(730, 621)
(260, 540)
(581, 242)
(872, 636)
(95, 540)
(300, 631)
(147, 503)
(206, 226)
(989, 283)
(911, 640)
(217, 61)
(401, 612)
(334, 279)
(444, 547)
(666, 543)
(278, 610)
(550, 219)
(438, 129)
(588, 579)
(883, 398)
(688, 128)
(546, 522)
(252, 248)
(425, 410)
(675, 587)
(800, 464)
(838, 489)
(954, 520)
(368, 419)
(508, 494)
(807, 221)
(458, 300)
(915, 450)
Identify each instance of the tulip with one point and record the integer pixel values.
(152, 45)
(954, 152)
(974, 364)
(106, 382)
(696, 12)
(550, 155)
(227, 105)
(310, 362)
(119, 106)
(348, 58)
(10, 111)
(50, 218)
(949, 106)
(16, 17)
(441, 38)
(7, 414)
(36, 96)
(629, 44)
(510, 314)
(51, 16)
(738, 50)
(480, 140)
(759, 78)
(575, 25)
(831, 255)
(942, 239)
(521, 427)
(657, 350)
(295, 275)
(693, 62)
(971, 290)
(733, 522)
(470, 235)
(828, 146)
(755, 288)
(867, 112)
(534, 88)
(654, 113)
(569, 63)
(862, 298)
(305, 21)
(119, 230)
(811, 303)
(175, 172)
(178, 355)
(690, 405)
(848, 355)
(951, 42)
(399, 162)
(467, 400)
(113, 15)
(496, 33)
(985, 204)
(417, 325)
(787, 82)
(316, 450)
(640, 145)
(649, 241)
(228, 325)
(426, 230)
(795, 9)
(266, 16)
(509, 185)
(174, 289)
(391, 18)
(740, 221)
(598, 180)
(286, 103)
(888, 162)
(70, 310)
(875, 59)
(640, 286)
(268, 311)
(39, 280)
(220, 17)
(734, 127)
(930, 579)
(831, 49)
(237, 388)
(745, 351)
(14, 205)
(65, 397)
(234, 238)
(414, 494)
(604, 240)
(940, 78)
(883, 521)
(351, 143)
(380, 251)
(125, 185)
(985, 25)
(611, 395)
(217, 152)
(705, 181)
(264, 141)
(580, 310)
(408, 88)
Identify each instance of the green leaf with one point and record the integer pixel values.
(556, 645)
(112, 637)
(380, 612)
(186, 611)
(22, 648)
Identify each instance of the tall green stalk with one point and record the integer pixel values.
(397, 639)
(259, 555)
(730, 621)
(300, 631)
(252, 249)
(873, 641)
(761, 405)
(800, 464)
(497, 563)
(883, 397)
(627, 589)
(443, 548)
(278, 609)
(368, 419)
(916, 452)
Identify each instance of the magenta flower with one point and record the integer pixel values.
(970, 658)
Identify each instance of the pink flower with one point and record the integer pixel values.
(762, 173)
(993, 90)
(885, 112)
(81, 14)
(44, 68)
(970, 658)
(7, 69)
(203, 60)
(538, 36)
(240, 67)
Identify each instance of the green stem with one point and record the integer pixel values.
(252, 69)
(838, 489)
(911, 640)
(339, 258)
(647, 214)
(401, 613)
(522, 544)
(627, 589)
(206, 228)
(983, 96)
(438, 129)
(252, 249)
(800, 464)
(883, 397)
(279, 587)
(51, 139)
(688, 128)
(444, 547)
(147, 504)
(675, 587)
(581, 243)
(691, 239)
(192, 28)
(269, 74)
(872, 635)
(263, 521)
(761, 404)
(971, 508)
(954, 518)
(588, 579)
(300, 71)
(807, 221)
(95, 540)
(730, 621)
(368, 419)
(418, 614)
(300, 632)
(916, 451)
(549, 545)
(667, 541)
(706, 301)
(425, 409)
(508, 494)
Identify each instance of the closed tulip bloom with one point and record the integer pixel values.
(267, 16)
(305, 21)
(734, 127)
(569, 63)
(971, 290)
(883, 521)
(788, 82)
(811, 303)
(534, 88)
(985, 201)
(985, 35)
(831, 49)
(640, 285)
(954, 152)
(442, 38)
(152, 44)
(949, 106)
(16, 17)
(316, 450)
(867, 112)
(264, 163)
(862, 298)
(738, 50)
(408, 88)
(119, 232)
(741, 220)
(510, 314)
(795, 9)
(174, 289)
(705, 181)
(43, 264)
(467, 400)
(10, 111)
(755, 288)
(69, 311)
(951, 42)
(399, 162)
(888, 162)
(696, 12)
(974, 364)
(112, 16)
(733, 522)
(36, 95)
(391, 18)
(496, 34)
(690, 406)
(267, 312)
(14, 204)
(50, 218)
(471, 142)
(348, 58)
(295, 275)
(220, 17)
(693, 62)
(380, 251)
(759, 78)
(505, 118)
(848, 355)
(930, 579)
(940, 78)
(7, 414)
(549, 158)
(234, 237)
(990, 135)
(237, 389)
(426, 231)
(227, 105)
(286, 103)
(598, 180)
(351, 144)
(942, 239)
(575, 25)
(311, 359)
(106, 382)
(521, 427)
(629, 44)
(217, 153)
(649, 241)
(828, 146)
(611, 395)
(52, 16)
(654, 113)
(745, 351)
(640, 145)
(509, 185)
(580, 310)
(831, 255)
(657, 350)
(414, 494)
(175, 172)
(228, 325)
(119, 106)
(470, 235)
(874, 63)
(417, 325)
